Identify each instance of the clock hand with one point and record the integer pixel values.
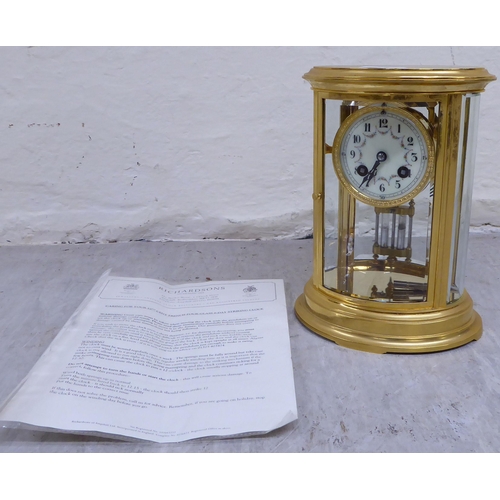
(381, 156)
(371, 174)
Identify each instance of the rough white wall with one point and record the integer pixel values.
(125, 143)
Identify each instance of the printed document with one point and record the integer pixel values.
(166, 363)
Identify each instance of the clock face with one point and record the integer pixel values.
(384, 156)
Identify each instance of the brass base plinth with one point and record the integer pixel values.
(381, 329)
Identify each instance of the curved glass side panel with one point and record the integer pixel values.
(330, 248)
(463, 194)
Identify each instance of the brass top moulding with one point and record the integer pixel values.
(408, 80)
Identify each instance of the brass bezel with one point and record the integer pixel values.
(417, 119)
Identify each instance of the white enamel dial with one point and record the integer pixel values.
(383, 155)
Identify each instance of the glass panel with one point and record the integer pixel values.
(392, 250)
(330, 249)
(379, 254)
(463, 194)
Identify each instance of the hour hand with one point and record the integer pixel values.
(381, 156)
(370, 175)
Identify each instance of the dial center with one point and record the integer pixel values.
(381, 156)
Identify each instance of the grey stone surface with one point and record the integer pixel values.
(348, 401)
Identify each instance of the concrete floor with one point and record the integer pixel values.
(348, 401)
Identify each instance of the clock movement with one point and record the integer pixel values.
(394, 153)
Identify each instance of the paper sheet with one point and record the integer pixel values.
(144, 359)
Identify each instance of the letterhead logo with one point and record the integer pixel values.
(250, 290)
(131, 286)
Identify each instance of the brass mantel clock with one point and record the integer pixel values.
(394, 155)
